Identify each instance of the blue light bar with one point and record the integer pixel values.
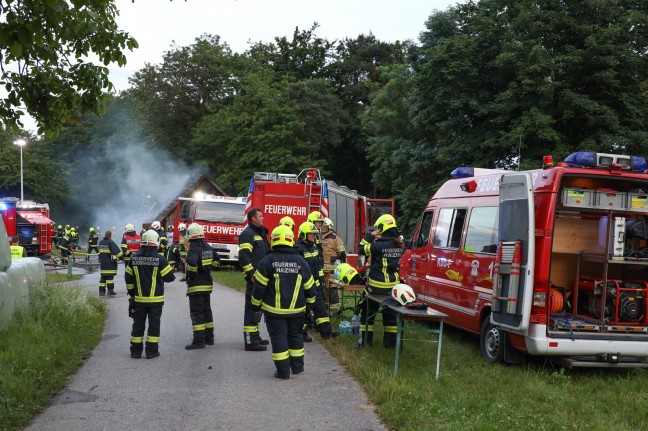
(638, 163)
(585, 159)
(463, 172)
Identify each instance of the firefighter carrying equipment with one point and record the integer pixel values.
(288, 221)
(195, 231)
(282, 235)
(306, 228)
(385, 222)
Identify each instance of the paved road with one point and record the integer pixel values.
(222, 387)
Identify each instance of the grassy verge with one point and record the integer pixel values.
(55, 277)
(230, 277)
(46, 343)
(471, 394)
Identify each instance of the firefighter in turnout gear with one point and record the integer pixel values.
(162, 234)
(59, 234)
(307, 248)
(283, 286)
(385, 248)
(334, 250)
(146, 273)
(201, 260)
(253, 245)
(130, 243)
(93, 242)
(183, 247)
(64, 246)
(109, 254)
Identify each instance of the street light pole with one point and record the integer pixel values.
(21, 143)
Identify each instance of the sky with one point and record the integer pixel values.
(158, 24)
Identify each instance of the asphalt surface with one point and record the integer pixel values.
(221, 387)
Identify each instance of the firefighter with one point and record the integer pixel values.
(146, 273)
(183, 247)
(74, 239)
(130, 243)
(307, 248)
(253, 245)
(59, 234)
(17, 251)
(163, 239)
(334, 251)
(173, 256)
(201, 259)
(109, 254)
(93, 241)
(385, 248)
(283, 285)
(64, 246)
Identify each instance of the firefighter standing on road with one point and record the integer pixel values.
(183, 247)
(64, 246)
(162, 234)
(283, 286)
(385, 247)
(334, 250)
(145, 275)
(253, 245)
(307, 248)
(109, 254)
(130, 243)
(93, 242)
(201, 259)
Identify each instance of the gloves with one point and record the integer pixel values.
(131, 307)
(113, 258)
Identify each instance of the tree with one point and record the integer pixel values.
(500, 78)
(44, 50)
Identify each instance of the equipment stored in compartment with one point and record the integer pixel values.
(625, 301)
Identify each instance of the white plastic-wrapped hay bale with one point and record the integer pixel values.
(7, 301)
(5, 251)
(17, 283)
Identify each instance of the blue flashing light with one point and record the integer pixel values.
(585, 159)
(325, 191)
(251, 189)
(463, 172)
(3, 206)
(638, 163)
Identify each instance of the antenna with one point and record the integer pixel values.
(519, 153)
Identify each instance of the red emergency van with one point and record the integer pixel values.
(552, 261)
(30, 222)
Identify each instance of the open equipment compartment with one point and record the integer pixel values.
(599, 239)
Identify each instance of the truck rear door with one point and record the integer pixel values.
(513, 286)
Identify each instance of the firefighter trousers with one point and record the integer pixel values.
(143, 311)
(93, 247)
(287, 343)
(389, 320)
(202, 320)
(106, 281)
(322, 320)
(250, 317)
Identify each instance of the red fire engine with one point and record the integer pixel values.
(30, 222)
(221, 217)
(543, 262)
(297, 195)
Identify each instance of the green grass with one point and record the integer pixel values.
(230, 277)
(55, 277)
(472, 394)
(46, 343)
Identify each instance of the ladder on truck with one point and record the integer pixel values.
(314, 184)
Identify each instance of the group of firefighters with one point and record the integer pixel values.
(284, 281)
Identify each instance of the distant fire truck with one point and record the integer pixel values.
(221, 217)
(30, 222)
(297, 195)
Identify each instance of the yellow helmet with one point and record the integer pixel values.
(345, 273)
(60, 227)
(306, 228)
(287, 221)
(91, 229)
(282, 235)
(385, 222)
(315, 216)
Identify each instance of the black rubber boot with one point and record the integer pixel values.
(194, 346)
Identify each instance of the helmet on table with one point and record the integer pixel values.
(282, 235)
(403, 293)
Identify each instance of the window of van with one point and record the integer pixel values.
(481, 235)
(449, 226)
(423, 234)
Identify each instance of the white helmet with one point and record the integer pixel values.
(403, 294)
(182, 227)
(130, 227)
(195, 231)
(155, 225)
(151, 237)
(328, 223)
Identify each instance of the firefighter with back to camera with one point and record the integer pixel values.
(201, 260)
(283, 284)
(334, 250)
(183, 247)
(162, 234)
(93, 243)
(253, 245)
(64, 246)
(146, 273)
(307, 248)
(385, 248)
(130, 243)
(109, 254)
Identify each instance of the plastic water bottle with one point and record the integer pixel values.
(345, 327)
(355, 330)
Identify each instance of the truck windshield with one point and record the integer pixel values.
(220, 212)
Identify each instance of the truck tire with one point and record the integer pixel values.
(492, 342)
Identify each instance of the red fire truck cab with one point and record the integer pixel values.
(544, 262)
(297, 195)
(30, 222)
(221, 217)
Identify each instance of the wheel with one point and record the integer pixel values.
(492, 342)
